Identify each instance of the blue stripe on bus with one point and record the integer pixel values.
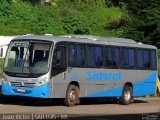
(142, 88)
(40, 92)
(145, 87)
(107, 93)
(139, 89)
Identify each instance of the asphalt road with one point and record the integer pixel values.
(102, 109)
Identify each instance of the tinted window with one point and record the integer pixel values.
(62, 60)
(143, 59)
(76, 55)
(80, 55)
(115, 57)
(98, 56)
(140, 58)
(59, 57)
(108, 56)
(125, 57)
(111, 56)
(128, 57)
(146, 59)
(71, 55)
(90, 56)
(153, 59)
(131, 57)
(94, 56)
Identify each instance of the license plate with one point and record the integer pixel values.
(21, 90)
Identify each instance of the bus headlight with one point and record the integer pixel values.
(6, 81)
(41, 82)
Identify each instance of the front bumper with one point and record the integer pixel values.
(38, 92)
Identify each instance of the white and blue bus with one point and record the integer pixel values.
(79, 66)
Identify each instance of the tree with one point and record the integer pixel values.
(145, 20)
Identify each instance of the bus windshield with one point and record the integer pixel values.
(27, 57)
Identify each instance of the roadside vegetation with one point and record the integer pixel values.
(1, 66)
(138, 19)
(159, 62)
(25, 17)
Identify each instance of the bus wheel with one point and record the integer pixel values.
(126, 97)
(72, 95)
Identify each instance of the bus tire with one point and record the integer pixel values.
(72, 95)
(127, 94)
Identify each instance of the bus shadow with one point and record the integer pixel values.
(92, 101)
(25, 101)
(140, 101)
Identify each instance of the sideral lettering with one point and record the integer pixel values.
(103, 76)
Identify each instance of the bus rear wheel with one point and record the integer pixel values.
(72, 95)
(127, 94)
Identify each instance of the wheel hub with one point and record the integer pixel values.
(127, 95)
(72, 95)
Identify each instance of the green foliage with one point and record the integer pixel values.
(158, 61)
(1, 66)
(66, 17)
(77, 25)
(138, 19)
(145, 15)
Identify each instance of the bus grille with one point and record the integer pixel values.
(21, 84)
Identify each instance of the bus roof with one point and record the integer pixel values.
(87, 39)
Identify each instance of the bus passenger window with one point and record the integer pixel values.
(146, 63)
(153, 60)
(76, 55)
(139, 58)
(115, 57)
(80, 55)
(98, 55)
(128, 58)
(143, 59)
(72, 55)
(90, 56)
(125, 57)
(111, 57)
(108, 56)
(132, 57)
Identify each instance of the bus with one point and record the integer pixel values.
(79, 66)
